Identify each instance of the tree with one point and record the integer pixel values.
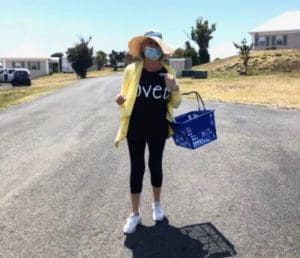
(100, 59)
(121, 56)
(244, 53)
(118, 57)
(81, 57)
(179, 52)
(129, 58)
(113, 59)
(191, 52)
(59, 55)
(201, 34)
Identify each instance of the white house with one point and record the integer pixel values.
(282, 32)
(38, 64)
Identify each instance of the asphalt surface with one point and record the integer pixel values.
(64, 188)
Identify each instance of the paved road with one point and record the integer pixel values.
(64, 188)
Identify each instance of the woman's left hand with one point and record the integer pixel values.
(170, 81)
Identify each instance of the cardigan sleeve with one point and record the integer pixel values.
(125, 82)
(175, 99)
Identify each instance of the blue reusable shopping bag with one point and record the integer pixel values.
(195, 128)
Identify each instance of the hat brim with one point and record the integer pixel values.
(135, 46)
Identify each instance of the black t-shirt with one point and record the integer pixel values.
(148, 118)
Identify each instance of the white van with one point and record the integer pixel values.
(67, 69)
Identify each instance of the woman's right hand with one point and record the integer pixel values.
(120, 99)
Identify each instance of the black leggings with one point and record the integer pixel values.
(137, 162)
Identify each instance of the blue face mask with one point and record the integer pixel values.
(153, 53)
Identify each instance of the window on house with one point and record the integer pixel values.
(262, 41)
(35, 65)
(279, 40)
(19, 64)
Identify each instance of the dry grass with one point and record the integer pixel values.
(56, 79)
(274, 79)
(278, 90)
(16, 95)
(261, 62)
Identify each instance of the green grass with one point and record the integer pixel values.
(19, 95)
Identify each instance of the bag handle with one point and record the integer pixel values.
(198, 96)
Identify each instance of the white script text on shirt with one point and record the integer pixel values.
(157, 92)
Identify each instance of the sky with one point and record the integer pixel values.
(43, 27)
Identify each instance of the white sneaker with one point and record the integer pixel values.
(132, 222)
(157, 212)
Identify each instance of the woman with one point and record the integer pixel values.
(147, 98)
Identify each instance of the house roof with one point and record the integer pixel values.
(288, 21)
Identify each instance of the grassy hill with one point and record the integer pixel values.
(261, 62)
(274, 80)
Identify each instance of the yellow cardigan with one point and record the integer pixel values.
(130, 83)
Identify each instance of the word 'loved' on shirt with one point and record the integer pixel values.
(153, 92)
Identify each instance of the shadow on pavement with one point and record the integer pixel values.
(164, 240)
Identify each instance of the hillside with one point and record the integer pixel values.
(261, 62)
(274, 80)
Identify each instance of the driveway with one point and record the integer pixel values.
(64, 188)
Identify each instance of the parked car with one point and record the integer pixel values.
(10, 72)
(2, 72)
(121, 65)
(21, 77)
(3, 75)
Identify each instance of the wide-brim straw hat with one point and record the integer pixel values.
(135, 44)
